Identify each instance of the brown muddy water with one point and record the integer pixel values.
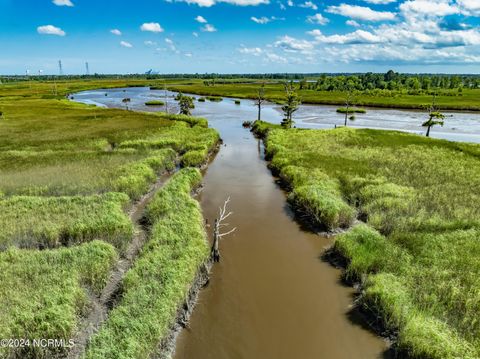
(271, 296)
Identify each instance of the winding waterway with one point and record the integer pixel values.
(459, 126)
(271, 296)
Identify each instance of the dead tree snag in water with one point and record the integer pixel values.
(217, 235)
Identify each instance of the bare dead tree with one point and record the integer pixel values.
(165, 97)
(223, 214)
(260, 99)
(349, 102)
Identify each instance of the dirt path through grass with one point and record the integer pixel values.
(103, 304)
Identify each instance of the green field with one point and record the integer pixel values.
(447, 99)
(416, 251)
(69, 175)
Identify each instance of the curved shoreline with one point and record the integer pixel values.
(368, 104)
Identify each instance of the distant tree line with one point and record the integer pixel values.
(391, 81)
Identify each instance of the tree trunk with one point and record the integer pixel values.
(215, 252)
(259, 110)
(428, 131)
(346, 116)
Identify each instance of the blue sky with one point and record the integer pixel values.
(239, 36)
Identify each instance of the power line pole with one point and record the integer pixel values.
(87, 69)
(60, 68)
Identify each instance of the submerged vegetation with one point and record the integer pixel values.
(70, 173)
(351, 110)
(417, 253)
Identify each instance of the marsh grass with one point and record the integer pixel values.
(274, 91)
(48, 222)
(155, 103)
(159, 281)
(43, 293)
(351, 110)
(68, 173)
(417, 255)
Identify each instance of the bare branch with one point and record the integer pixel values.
(227, 233)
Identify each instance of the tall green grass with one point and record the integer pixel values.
(160, 279)
(417, 255)
(48, 222)
(43, 294)
(68, 173)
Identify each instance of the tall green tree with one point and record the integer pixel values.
(291, 104)
(435, 117)
(186, 104)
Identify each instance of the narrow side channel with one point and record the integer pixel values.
(271, 296)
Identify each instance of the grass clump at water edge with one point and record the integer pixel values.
(160, 279)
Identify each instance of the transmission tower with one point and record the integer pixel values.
(60, 69)
(86, 68)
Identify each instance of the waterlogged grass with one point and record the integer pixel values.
(160, 279)
(47, 222)
(351, 110)
(417, 253)
(155, 103)
(43, 293)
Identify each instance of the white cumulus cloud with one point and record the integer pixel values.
(208, 28)
(290, 44)
(380, 2)
(260, 20)
(361, 13)
(428, 7)
(352, 23)
(125, 44)
(317, 19)
(151, 27)
(50, 30)
(208, 3)
(255, 51)
(309, 5)
(201, 19)
(63, 3)
(116, 32)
